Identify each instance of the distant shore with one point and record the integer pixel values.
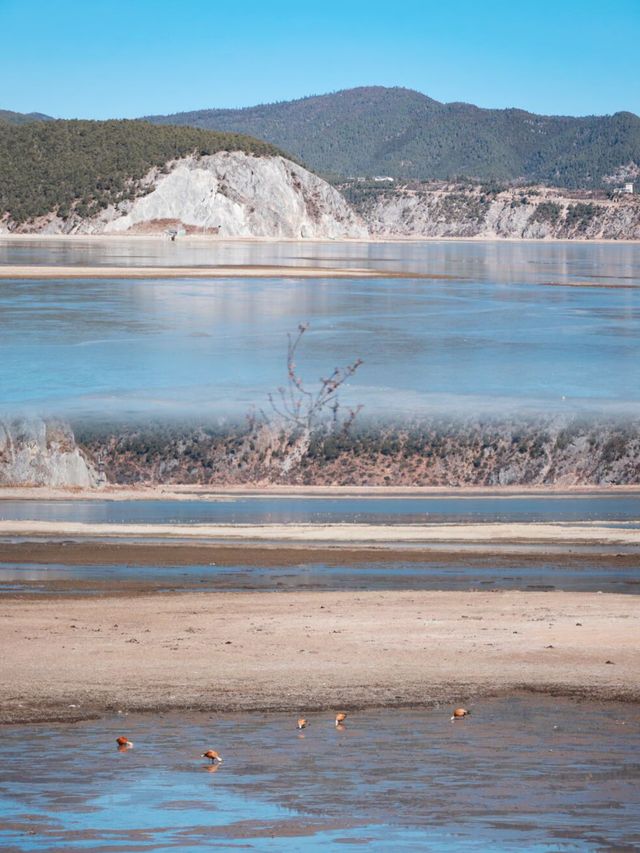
(213, 492)
(70, 659)
(215, 240)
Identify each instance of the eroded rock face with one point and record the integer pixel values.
(234, 194)
(42, 453)
(441, 210)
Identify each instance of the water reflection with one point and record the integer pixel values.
(528, 772)
(217, 347)
(508, 261)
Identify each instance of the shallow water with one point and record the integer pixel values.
(534, 773)
(604, 574)
(608, 509)
(509, 261)
(488, 333)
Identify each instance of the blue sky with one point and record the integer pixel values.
(110, 58)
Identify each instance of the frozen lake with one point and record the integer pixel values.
(500, 326)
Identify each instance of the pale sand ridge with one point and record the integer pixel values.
(338, 534)
(54, 272)
(310, 650)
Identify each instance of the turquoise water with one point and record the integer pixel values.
(497, 329)
(525, 773)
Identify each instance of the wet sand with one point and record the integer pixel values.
(72, 659)
(446, 536)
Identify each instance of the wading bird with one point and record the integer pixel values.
(459, 713)
(213, 756)
(124, 743)
(302, 723)
(340, 718)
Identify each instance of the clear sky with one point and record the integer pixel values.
(126, 58)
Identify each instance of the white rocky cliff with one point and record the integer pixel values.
(234, 194)
(439, 209)
(39, 453)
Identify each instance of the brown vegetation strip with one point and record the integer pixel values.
(302, 651)
(267, 556)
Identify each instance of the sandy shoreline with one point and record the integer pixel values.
(214, 492)
(483, 533)
(304, 651)
(214, 241)
(34, 271)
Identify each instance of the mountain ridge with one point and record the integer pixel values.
(84, 177)
(395, 131)
(11, 117)
(84, 166)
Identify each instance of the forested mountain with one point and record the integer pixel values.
(86, 165)
(403, 133)
(22, 118)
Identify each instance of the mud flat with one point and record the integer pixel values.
(71, 659)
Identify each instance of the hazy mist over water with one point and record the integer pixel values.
(502, 327)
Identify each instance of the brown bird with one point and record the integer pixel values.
(302, 723)
(340, 718)
(213, 756)
(124, 742)
(459, 713)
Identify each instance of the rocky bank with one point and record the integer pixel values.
(441, 209)
(229, 194)
(42, 453)
(559, 451)
(239, 194)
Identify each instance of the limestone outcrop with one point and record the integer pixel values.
(233, 194)
(438, 209)
(42, 453)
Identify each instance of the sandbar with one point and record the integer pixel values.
(461, 534)
(34, 271)
(302, 651)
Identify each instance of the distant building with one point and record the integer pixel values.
(626, 189)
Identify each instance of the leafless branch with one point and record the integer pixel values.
(302, 408)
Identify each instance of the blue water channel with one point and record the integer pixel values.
(525, 773)
(610, 509)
